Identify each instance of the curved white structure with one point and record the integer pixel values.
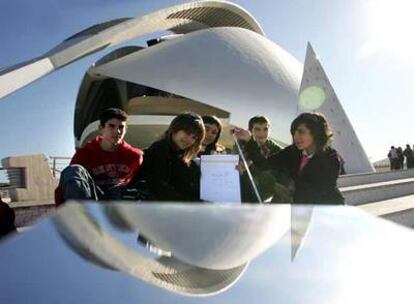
(233, 69)
(180, 19)
(222, 64)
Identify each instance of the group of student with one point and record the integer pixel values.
(396, 157)
(108, 168)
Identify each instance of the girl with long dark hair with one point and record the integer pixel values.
(210, 143)
(168, 167)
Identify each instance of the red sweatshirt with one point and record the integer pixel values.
(109, 168)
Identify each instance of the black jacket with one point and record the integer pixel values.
(317, 182)
(7, 218)
(168, 177)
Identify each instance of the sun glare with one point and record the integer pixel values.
(390, 25)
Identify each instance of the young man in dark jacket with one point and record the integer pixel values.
(259, 127)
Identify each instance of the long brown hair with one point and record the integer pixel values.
(190, 123)
(318, 126)
(212, 120)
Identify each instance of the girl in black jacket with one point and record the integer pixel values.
(168, 167)
(313, 166)
(210, 143)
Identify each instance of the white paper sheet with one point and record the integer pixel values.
(220, 181)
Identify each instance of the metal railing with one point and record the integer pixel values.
(58, 163)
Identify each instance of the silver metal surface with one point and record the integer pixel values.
(346, 256)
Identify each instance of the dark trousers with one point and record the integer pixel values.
(410, 162)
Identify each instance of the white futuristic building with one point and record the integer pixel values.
(220, 63)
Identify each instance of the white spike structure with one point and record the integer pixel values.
(317, 94)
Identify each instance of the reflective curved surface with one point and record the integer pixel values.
(344, 256)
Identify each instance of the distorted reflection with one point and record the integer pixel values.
(252, 252)
(198, 249)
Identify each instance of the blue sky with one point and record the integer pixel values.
(364, 47)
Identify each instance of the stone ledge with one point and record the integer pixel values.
(391, 206)
(377, 192)
(377, 184)
(375, 177)
(30, 204)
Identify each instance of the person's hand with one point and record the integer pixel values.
(241, 168)
(241, 134)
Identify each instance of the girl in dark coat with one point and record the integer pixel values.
(310, 162)
(168, 167)
(210, 143)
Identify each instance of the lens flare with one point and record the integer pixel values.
(312, 98)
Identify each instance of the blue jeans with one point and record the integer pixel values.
(77, 183)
